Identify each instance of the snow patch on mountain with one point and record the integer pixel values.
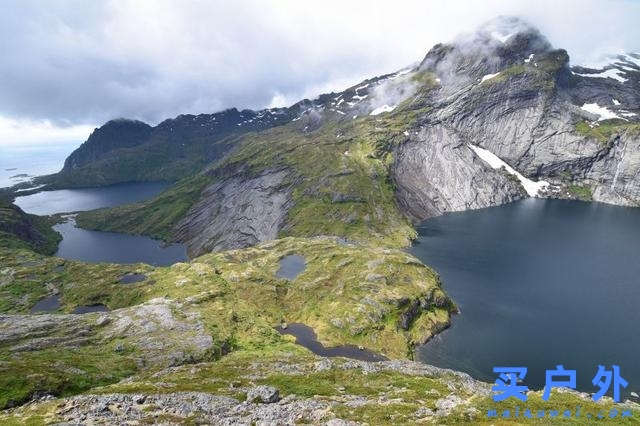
(610, 73)
(634, 58)
(488, 76)
(501, 37)
(383, 108)
(602, 112)
(532, 187)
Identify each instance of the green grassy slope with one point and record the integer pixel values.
(19, 230)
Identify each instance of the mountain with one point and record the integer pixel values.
(129, 150)
(125, 150)
(492, 117)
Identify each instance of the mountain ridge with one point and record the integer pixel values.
(412, 132)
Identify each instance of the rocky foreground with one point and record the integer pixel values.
(374, 391)
(287, 386)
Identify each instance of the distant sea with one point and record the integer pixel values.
(20, 163)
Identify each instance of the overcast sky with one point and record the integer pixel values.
(68, 66)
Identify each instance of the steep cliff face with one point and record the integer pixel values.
(505, 89)
(237, 212)
(436, 172)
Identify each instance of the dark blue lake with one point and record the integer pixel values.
(73, 200)
(114, 247)
(96, 246)
(539, 283)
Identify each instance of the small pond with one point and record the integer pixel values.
(291, 266)
(114, 247)
(305, 336)
(46, 304)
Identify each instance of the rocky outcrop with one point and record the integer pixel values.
(178, 407)
(264, 394)
(236, 212)
(262, 406)
(151, 330)
(436, 172)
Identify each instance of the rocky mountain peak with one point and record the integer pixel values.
(509, 34)
(114, 134)
(495, 45)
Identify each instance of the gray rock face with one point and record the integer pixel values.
(527, 115)
(534, 132)
(235, 213)
(445, 406)
(34, 332)
(150, 328)
(437, 172)
(180, 406)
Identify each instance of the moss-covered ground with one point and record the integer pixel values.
(349, 293)
(582, 192)
(19, 230)
(26, 277)
(604, 130)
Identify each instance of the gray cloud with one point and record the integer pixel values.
(78, 62)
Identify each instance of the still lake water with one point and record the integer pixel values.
(114, 247)
(73, 200)
(539, 283)
(96, 246)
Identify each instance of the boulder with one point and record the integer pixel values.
(263, 394)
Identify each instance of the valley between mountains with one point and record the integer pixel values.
(495, 116)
